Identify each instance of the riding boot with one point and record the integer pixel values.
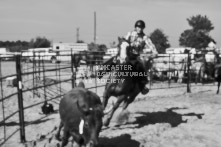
(143, 88)
(142, 79)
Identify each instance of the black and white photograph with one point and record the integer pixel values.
(110, 73)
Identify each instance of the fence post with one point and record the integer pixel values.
(2, 96)
(72, 69)
(188, 72)
(169, 81)
(20, 99)
(44, 79)
(33, 75)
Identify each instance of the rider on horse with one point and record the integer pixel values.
(140, 43)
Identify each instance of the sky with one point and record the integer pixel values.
(58, 20)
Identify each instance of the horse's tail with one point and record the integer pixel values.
(106, 67)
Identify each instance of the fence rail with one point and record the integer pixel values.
(45, 80)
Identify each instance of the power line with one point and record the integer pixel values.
(95, 27)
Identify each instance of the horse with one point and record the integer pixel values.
(213, 70)
(196, 71)
(217, 70)
(202, 69)
(126, 88)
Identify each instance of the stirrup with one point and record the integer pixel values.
(115, 60)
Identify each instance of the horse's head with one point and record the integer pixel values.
(120, 41)
(131, 51)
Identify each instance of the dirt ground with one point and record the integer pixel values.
(163, 118)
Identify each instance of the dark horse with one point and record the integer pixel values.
(217, 69)
(212, 69)
(201, 68)
(121, 83)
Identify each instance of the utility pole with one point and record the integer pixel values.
(77, 36)
(94, 27)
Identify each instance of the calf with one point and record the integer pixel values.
(81, 115)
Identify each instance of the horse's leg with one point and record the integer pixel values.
(127, 102)
(218, 86)
(203, 78)
(130, 99)
(65, 138)
(105, 99)
(151, 77)
(201, 75)
(196, 77)
(116, 105)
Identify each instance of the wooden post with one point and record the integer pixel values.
(188, 72)
(169, 81)
(20, 99)
(73, 70)
(3, 107)
(44, 79)
(33, 75)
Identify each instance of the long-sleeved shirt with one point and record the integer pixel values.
(141, 43)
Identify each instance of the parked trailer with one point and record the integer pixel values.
(64, 50)
(40, 54)
(5, 54)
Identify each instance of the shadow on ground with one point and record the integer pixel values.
(171, 117)
(13, 123)
(120, 141)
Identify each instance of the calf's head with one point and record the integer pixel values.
(91, 124)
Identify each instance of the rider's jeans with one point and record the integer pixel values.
(141, 68)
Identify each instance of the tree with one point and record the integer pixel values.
(15, 46)
(80, 41)
(197, 40)
(102, 47)
(92, 47)
(200, 23)
(160, 40)
(40, 42)
(198, 36)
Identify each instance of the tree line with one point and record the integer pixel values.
(42, 42)
(198, 36)
(17, 46)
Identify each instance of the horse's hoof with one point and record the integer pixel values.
(145, 91)
(57, 137)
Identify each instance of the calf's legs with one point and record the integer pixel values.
(57, 136)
